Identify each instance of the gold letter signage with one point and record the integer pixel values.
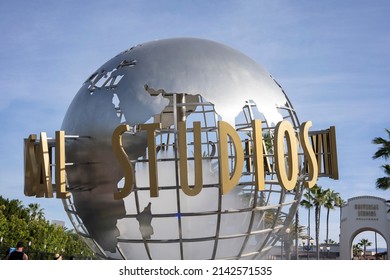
(37, 175)
(318, 147)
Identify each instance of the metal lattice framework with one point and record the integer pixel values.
(269, 212)
(146, 159)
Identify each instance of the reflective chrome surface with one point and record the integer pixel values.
(165, 81)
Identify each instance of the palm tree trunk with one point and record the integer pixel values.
(317, 220)
(364, 251)
(327, 226)
(308, 231)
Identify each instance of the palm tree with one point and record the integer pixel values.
(306, 202)
(339, 202)
(383, 151)
(316, 197)
(365, 243)
(332, 199)
(319, 201)
(35, 211)
(356, 250)
(298, 230)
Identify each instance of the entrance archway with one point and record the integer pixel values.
(363, 213)
(369, 244)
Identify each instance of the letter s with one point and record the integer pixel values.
(309, 154)
(123, 161)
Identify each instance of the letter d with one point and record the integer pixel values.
(225, 130)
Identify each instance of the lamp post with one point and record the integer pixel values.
(323, 254)
(327, 251)
(308, 247)
(28, 247)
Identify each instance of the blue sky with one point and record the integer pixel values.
(331, 57)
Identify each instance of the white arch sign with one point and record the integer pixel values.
(363, 213)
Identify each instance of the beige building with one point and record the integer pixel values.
(363, 213)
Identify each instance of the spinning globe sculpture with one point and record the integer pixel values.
(170, 82)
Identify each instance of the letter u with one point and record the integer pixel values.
(197, 158)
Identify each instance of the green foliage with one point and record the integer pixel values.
(42, 240)
(364, 243)
(383, 152)
(356, 250)
(316, 198)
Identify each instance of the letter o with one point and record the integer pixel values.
(288, 181)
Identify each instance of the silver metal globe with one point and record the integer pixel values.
(168, 81)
